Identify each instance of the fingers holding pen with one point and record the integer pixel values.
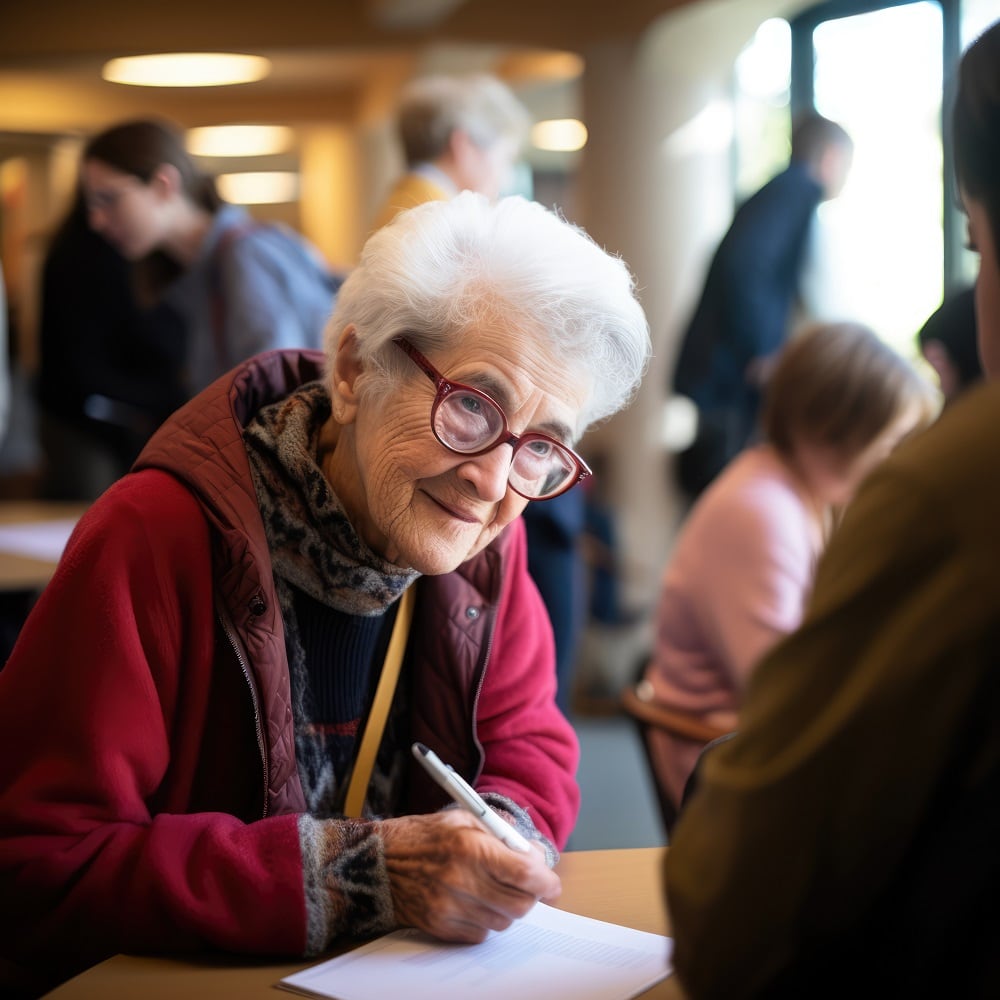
(450, 877)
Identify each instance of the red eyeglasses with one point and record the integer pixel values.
(467, 421)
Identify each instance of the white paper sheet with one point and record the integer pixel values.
(546, 955)
(43, 540)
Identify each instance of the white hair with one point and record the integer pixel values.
(445, 268)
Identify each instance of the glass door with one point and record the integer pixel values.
(879, 246)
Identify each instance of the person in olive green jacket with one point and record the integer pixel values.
(844, 842)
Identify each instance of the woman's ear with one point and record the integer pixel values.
(940, 360)
(166, 181)
(347, 367)
(464, 161)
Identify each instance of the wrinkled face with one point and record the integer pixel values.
(123, 209)
(987, 287)
(415, 502)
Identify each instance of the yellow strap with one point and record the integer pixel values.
(358, 788)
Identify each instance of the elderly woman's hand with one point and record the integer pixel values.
(452, 878)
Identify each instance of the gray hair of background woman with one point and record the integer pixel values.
(431, 108)
(444, 269)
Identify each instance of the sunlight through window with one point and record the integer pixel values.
(881, 242)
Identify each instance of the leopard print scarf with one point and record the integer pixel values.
(314, 549)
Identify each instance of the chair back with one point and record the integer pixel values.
(649, 717)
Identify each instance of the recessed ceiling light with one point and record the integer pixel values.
(186, 69)
(560, 135)
(266, 187)
(239, 140)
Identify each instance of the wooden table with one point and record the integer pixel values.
(624, 887)
(21, 572)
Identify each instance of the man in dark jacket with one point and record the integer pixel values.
(742, 318)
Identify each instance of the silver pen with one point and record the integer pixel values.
(468, 798)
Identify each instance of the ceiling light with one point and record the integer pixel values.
(559, 135)
(266, 187)
(186, 69)
(239, 140)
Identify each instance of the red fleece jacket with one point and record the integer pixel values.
(148, 792)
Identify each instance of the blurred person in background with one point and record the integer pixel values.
(239, 287)
(948, 343)
(11, 611)
(458, 133)
(742, 567)
(745, 311)
(110, 371)
(5, 399)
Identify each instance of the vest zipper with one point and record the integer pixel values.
(481, 668)
(256, 708)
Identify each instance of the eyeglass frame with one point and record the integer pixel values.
(445, 386)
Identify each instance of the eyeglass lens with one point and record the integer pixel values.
(468, 422)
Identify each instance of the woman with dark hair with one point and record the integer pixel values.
(240, 287)
(844, 841)
(947, 340)
(110, 370)
(742, 568)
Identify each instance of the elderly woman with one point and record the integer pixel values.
(181, 719)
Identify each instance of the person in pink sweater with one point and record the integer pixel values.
(742, 567)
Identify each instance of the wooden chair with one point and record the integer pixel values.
(649, 717)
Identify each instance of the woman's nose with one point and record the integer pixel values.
(489, 474)
(97, 218)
